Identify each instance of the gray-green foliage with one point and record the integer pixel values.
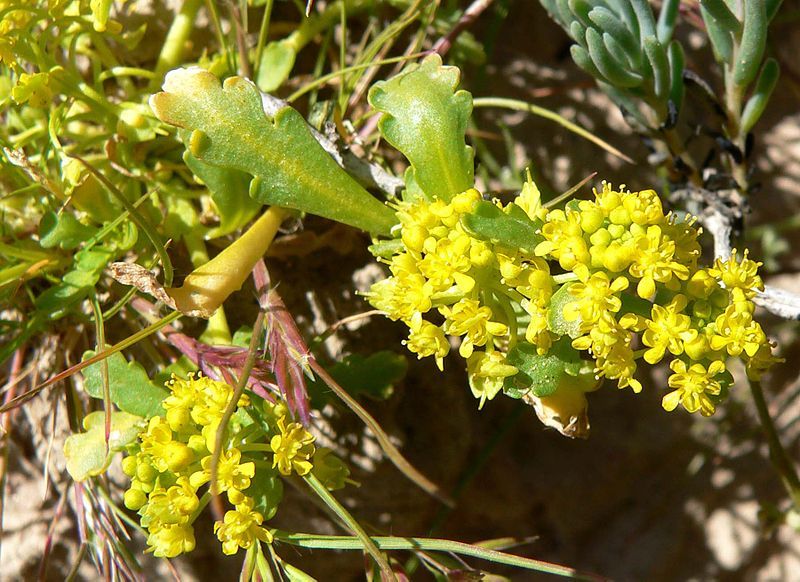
(634, 59)
(628, 51)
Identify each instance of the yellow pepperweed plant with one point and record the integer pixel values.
(600, 287)
(170, 466)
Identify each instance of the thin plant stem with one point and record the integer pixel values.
(263, 33)
(778, 455)
(241, 384)
(366, 542)
(430, 544)
(517, 105)
(172, 52)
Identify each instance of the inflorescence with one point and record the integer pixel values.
(171, 462)
(616, 274)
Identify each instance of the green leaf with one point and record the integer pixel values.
(625, 11)
(513, 229)
(666, 20)
(611, 24)
(87, 454)
(541, 374)
(228, 191)
(426, 119)
(181, 217)
(676, 66)
(718, 33)
(64, 231)
(644, 15)
(660, 65)
(723, 17)
(373, 376)
(581, 57)
(276, 65)
(230, 129)
(614, 71)
(772, 8)
(386, 248)
(555, 313)
(753, 43)
(615, 50)
(758, 100)
(580, 9)
(131, 389)
(266, 489)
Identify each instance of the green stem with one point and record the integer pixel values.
(734, 97)
(364, 540)
(118, 347)
(383, 439)
(174, 47)
(518, 105)
(262, 37)
(429, 544)
(778, 455)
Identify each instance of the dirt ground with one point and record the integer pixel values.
(649, 496)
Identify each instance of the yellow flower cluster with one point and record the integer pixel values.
(470, 285)
(630, 275)
(172, 461)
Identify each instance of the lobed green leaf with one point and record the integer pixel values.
(290, 169)
(130, 387)
(542, 374)
(63, 230)
(228, 190)
(87, 454)
(425, 117)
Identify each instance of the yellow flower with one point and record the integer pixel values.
(530, 199)
(487, 372)
(736, 332)
(669, 329)
(171, 540)
(231, 474)
(564, 241)
(643, 208)
(761, 361)
(241, 528)
(595, 298)
(449, 262)
(618, 363)
(684, 233)
(693, 387)
(426, 339)
(468, 317)
(404, 294)
(165, 453)
(172, 506)
(33, 89)
(738, 275)
(292, 448)
(329, 469)
(654, 262)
